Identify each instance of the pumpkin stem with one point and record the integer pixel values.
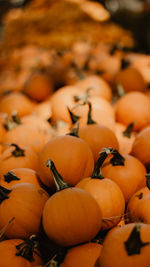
(117, 159)
(52, 262)
(4, 192)
(10, 176)
(129, 130)
(125, 63)
(120, 90)
(75, 131)
(84, 97)
(90, 120)
(78, 72)
(147, 175)
(16, 118)
(10, 124)
(27, 248)
(134, 243)
(59, 182)
(3, 230)
(18, 152)
(74, 117)
(97, 169)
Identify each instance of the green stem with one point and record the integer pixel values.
(10, 176)
(134, 243)
(59, 182)
(18, 152)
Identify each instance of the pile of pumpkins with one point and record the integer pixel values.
(74, 163)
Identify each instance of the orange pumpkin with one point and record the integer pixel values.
(133, 107)
(128, 171)
(97, 86)
(25, 202)
(128, 245)
(131, 80)
(107, 194)
(39, 86)
(19, 175)
(125, 136)
(16, 102)
(141, 146)
(19, 253)
(76, 204)
(20, 157)
(72, 156)
(85, 255)
(28, 136)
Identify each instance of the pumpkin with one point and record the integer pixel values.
(125, 136)
(106, 192)
(19, 253)
(19, 175)
(16, 101)
(127, 171)
(97, 86)
(141, 146)
(98, 136)
(134, 201)
(133, 107)
(28, 136)
(127, 245)
(85, 255)
(25, 202)
(43, 110)
(39, 86)
(76, 204)
(72, 156)
(131, 80)
(60, 100)
(17, 157)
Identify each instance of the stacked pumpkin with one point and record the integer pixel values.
(74, 165)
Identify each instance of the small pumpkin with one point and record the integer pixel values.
(106, 192)
(76, 204)
(85, 255)
(25, 202)
(127, 245)
(72, 156)
(19, 253)
(15, 157)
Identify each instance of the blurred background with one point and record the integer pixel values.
(133, 15)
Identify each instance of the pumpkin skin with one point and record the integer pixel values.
(131, 173)
(16, 102)
(141, 146)
(25, 202)
(131, 80)
(8, 255)
(9, 161)
(98, 86)
(134, 201)
(25, 175)
(43, 110)
(98, 136)
(109, 198)
(114, 252)
(85, 255)
(72, 156)
(36, 138)
(133, 107)
(141, 212)
(125, 143)
(83, 212)
(60, 100)
(39, 86)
